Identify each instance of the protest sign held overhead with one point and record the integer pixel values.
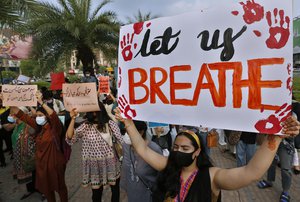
(57, 80)
(226, 67)
(19, 95)
(82, 96)
(23, 79)
(103, 84)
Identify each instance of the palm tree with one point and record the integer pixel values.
(72, 25)
(140, 17)
(13, 11)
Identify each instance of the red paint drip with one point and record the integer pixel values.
(257, 33)
(235, 13)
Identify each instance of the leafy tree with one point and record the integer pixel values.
(9, 74)
(28, 67)
(72, 25)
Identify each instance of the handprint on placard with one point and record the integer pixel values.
(126, 45)
(253, 12)
(127, 41)
(138, 27)
(272, 124)
(278, 29)
(119, 77)
(125, 108)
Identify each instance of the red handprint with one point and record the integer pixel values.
(119, 77)
(253, 12)
(126, 45)
(271, 125)
(125, 108)
(284, 33)
(138, 27)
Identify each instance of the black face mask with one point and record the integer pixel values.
(182, 159)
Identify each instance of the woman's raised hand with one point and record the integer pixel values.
(39, 97)
(118, 115)
(290, 127)
(73, 113)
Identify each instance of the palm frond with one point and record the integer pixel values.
(99, 7)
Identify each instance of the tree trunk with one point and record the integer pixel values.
(86, 56)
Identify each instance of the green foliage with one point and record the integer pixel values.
(41, 84)
(13, 12)
(102, 69)
(296, 87)
(74, 78)
(9, 74)
(29, 67)
(72, 25)
(140, 17)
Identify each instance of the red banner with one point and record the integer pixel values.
(57, 79)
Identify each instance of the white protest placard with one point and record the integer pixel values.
(82, 96)
(227, 67)
(19, 95)
(23, 79)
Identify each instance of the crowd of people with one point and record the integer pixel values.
(161, 163)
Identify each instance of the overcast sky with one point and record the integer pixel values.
(129, 8)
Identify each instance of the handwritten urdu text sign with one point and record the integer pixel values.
(228, 67)
(19, 95)
(82, 96)
(103, 84)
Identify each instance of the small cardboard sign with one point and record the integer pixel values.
(19, 95)
(103, 84)
(82, 96)
(23, 79)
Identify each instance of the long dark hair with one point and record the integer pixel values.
(101, 116)
(168, 182)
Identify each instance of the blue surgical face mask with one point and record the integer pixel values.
(41, 120)
(11, 119)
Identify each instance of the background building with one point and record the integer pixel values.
(296, 45)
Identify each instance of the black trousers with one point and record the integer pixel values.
(8, 142)
(2, 158)
(31, 185)
(115, 193)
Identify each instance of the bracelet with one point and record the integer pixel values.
(42, 104)
(73, 117)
